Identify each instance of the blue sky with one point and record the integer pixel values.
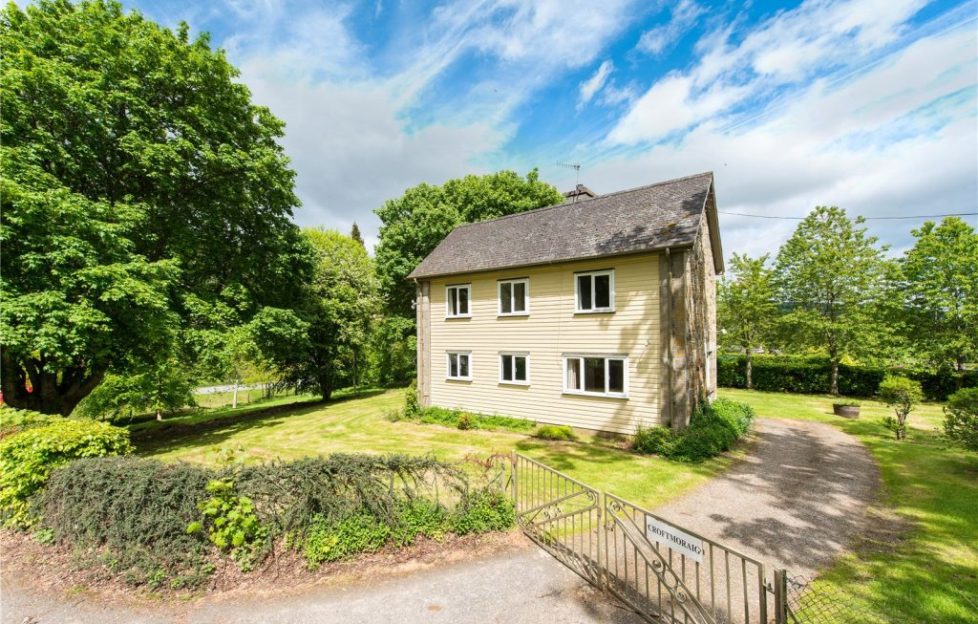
(866, 104)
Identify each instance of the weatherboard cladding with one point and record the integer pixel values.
(666, 214)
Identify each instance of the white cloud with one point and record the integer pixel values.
(593, 84)
(656, 40)
(896, 140)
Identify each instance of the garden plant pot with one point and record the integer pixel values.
(846, 411)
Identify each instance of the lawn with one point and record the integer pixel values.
(928, 571)
(359, 424)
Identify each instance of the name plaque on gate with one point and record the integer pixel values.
(671, 537)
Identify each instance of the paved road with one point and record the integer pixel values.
(796, 502)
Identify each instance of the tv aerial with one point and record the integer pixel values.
(577, 171)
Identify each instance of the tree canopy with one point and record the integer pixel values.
(416, 222)
(746, 306)
(940, 287)
(128, 152)
(828, 276)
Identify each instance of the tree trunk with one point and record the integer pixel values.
(234, 397)
(48, 395)
(834, 378)
(327, 393)
(750, 370)
(159, 415)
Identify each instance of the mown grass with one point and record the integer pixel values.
(921, 565)
(360, 425)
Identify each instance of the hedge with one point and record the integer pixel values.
(811, 375)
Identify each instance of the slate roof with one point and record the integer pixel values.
(665, 214)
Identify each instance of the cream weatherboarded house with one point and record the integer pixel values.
(599, 313)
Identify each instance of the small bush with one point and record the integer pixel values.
(465, 421)
(713, 430)
(652, 440)
(961, 418)
(231, 522)
(555, 432)
(420, 517)
(451, 418)
(28, 458)
(332, 540)
(16, 420)
(412, 408)
(483, 510)
(902, 394)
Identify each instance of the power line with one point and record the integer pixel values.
(935, 216)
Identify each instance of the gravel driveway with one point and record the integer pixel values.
(796, 502)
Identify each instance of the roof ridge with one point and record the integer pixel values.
(589, 199)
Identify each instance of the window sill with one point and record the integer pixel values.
(458, 317)
(512, 314)
(597, 311)
(462, 379)
(521, 384)
(598, 395)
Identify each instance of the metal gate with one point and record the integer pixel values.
(662, 571)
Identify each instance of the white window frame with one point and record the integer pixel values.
(611, 292)
(514, 354)
(607, 378)
(512, 297)
(448, 365)
(448, 300)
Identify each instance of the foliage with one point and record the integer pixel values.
(828, 275)
(412, 407)
(231, 522)
(961, 418)
(28, 458)
(810, 375)
(337, 309)
(714, 428)
(393, 351)
(483, 510)
(939, 289)
(555, 432)
(453, 418)
(416, 222)
(330, 539)
(902, 394)
(128, 151)
(13, 420)
(134, 511)
(161, 388)
(746, 308)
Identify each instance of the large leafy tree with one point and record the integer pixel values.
(105, 109)
(940, 288)
(829, 278)
(746, 306)
(336, 314)
(416, 222)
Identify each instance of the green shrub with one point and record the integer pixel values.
(331, 540)
(555, 432)
(231, 522)
(902, 394)
(15, 420)
(961, 418)
(713, 429)
(420, 517)
(465, 421)
(653, 441)
(28, 458)
(451, 418)
(412, 408)
(135, 511)
(810, 375)
(483, 510)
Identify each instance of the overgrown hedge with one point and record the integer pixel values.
(713, 429)
(811, 375)
(158, 523)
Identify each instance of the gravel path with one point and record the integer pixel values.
(796, 502)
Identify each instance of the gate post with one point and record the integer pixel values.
(781, 596)
(512, 474)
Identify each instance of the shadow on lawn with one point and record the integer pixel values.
(168, 437)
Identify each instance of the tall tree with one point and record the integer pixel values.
(416, 222)
(355, 235)
(108, 108)
(940, 287)
(337, 312)
(828, 276)
(746, 307)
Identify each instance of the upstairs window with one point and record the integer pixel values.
(596, 375)
(514, 368)
(514, 297)
(459, 365)
(595, 291)
(457, 300)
